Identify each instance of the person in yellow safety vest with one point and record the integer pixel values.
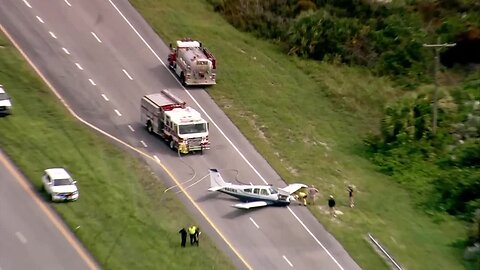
(192, 232)
(303, 196)
(182, 148)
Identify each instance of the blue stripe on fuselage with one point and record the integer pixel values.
(245, 198)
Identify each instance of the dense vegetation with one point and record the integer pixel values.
(443, 167)
(387, 38)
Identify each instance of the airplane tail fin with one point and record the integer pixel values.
(216, 180)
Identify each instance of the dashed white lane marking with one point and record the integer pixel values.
(289, 263)
(105, 97)
(92, 82)
(117, 112)
(21, 237)
(254, 223)
(96, 37)
(52, 34)
(251, 184)
(65, 50)
(131, 128)
(40, 19)
(143, 143)
(68, 3)
(26, 3)
(128, 75)
(221, 131)
(156, 158)
(78, 66)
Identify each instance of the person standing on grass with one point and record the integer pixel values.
(331, 206)
(197, 235)
(191, 231)
(312, 194)
(303, 197)
(183, 234)
(350, 190)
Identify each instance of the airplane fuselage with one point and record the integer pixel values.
(252, 193)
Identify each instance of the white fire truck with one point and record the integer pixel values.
(182, 127)
(193, 63)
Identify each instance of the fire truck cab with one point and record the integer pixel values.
(193, 63)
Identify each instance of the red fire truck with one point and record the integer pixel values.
(193, 63)
(182, 127)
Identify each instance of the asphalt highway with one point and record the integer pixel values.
(32, 236)
(102, 57)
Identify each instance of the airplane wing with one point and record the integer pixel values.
(293, 188)
(251, 204)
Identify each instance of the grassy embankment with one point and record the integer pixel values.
(308, 120)
(122, 220)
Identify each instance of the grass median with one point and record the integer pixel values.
(122, 216)
(308, 120)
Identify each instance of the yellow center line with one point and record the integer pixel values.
(177, 182)
(20, 179)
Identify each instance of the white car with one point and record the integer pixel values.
(5, 102)
(60, 185)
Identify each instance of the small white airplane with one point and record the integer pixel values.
(253, 196)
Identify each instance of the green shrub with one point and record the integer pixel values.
(406, 147)
(318, 34)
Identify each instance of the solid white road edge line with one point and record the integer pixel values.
(314, 237)
(68, 3)
(131, 128)
(188, 93)
(65, 50)
(117, 112)
(211, 120)
(88, 259)
(289, 263)
(78, 66)
(105, 97)
(254, 223)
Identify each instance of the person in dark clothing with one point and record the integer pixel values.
(183, 234)
(350, 195)
(197, 235)
(331, 205)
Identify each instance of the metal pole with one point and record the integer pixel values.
(435, 93)
(437, 48)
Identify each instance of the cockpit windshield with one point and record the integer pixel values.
(273, 190)
(192, 128)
